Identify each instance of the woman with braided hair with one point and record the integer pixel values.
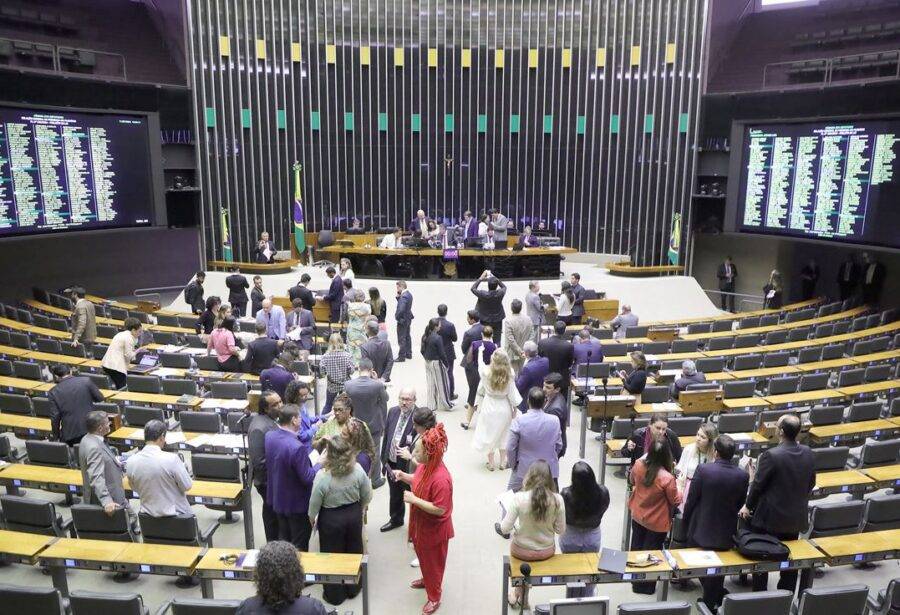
(431, 506)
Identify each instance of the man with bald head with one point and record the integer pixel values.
(420, 223)
(779, 496)
(624, 320)
(689, 376)
(398, 435)
(272, 316)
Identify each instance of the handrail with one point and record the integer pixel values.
(828, 69)
(155, 291)
(744, 298)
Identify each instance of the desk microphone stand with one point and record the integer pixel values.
(525, 569)
(603, 426)
(247, 486)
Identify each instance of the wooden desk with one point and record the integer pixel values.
(804, 398)
(841, 432)
(26, 427)
(842, 481)
(317, 568)
(800, 305)
(45, 387)
(128, 437)
(763, 372)
(739, 403)
(22, 386)
(811, 322)
(169, 402)
(820, 366)
(884, 476)
(862, 547)
(803, 555)
(22, 547)
(887, 355)
(11, 352)
(118, 304)
(592, 384)
(871, 388)
(260, 268)
(614, 447)
(48, 357)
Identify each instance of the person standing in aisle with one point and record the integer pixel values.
(404, 317)
(237, 292)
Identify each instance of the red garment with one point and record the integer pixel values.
(426, 529)
(652, 506)
(432, 561)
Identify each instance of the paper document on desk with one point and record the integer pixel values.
(198, 441)
(172, 348)
(175, 437)
(164, 372)
(248, 560)
(666, 406)
(227, 440)
(231, 404)
(741, 437)
(700, 559)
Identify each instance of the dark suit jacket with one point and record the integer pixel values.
(561, 354)
(720, 273)
(717, 492)
(237, 288)
(380, 354)
(472, 333)
(638, 438)
(559, 408)
(260, 257)
(779, 495)
(531, 375)
(307, 325)
(578, 306)
(304, 294)
(403, 314)
(635, 382)
(369, 397)
(193, 295)
(490, 302)
(470, 229)
(448, 336)
(334, 297)
(854, 273)
(70, 401)
(256, 299)
(877, 277)
(406, 440)
(260, 354)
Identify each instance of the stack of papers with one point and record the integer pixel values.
(230, 404)
(219, 440)
(741, 437)
(700, 559)
(666, 406)
(248, 560)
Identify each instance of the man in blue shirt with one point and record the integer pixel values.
(273, 317)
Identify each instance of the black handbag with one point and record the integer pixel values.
(762, 547)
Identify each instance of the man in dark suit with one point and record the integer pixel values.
(301, 291)
(532, 373)
(419, 223)
(335, 295)
(237, 292)
(369, 398)
(448, 337)
(727, 274)
(872, 279)
(469, 225)
(557, 404)
(70, 402)
(265, 249)
(261, 351)
(404, 317)
(578, 292)
(778, 500)
(193, 293)
(490, 303)
(718, 490)
(847, 277)
(300, 321)
(474, 332)
(399, 434)
(559, 352)
(378, 351)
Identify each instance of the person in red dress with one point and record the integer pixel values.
(431, 506)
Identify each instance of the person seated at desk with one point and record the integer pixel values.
(527, 240)
(261, 351)
(206, 322)
(121, 351)
(265, 249)
(391, 241)
(419, 223)
(71, 400)
(279, 584)
(277, 377)
(689, 376)
(636, 381)
(301, 326)
(222, 341)
(587, 350)
(621, 322)
(273, 317)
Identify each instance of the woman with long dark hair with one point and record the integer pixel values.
(541, 514)
(279, 583)
(586, 502)
(378, 305)
(437, 386)
(564, 303)
(653, 503)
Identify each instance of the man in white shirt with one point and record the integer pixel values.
(391, 241)
(159, 478)
(624, 320)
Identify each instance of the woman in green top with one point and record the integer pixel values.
(339, 493)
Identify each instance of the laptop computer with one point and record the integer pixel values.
(148, 363)
(612, 560)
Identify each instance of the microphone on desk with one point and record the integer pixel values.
(525, 569)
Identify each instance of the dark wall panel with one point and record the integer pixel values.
(602, 150)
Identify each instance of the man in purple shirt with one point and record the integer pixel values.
(532, 373)
(273, 317)
(532, 436)
(335, 295)
(587, 350)
(277, 377)
(290, 477)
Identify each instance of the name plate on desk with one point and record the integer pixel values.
(451, 254)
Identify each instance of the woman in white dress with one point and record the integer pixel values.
(498, 399)
(698, 452)
(346, 270)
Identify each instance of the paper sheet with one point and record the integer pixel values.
(174, 437)
(249, 560)
(741, 437)
(163, 372)
(230, 404)
(700, 559)
(666, 406)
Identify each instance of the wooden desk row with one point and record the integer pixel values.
(750, 441)
(856, 481)
(103, 320)
(209, 564)
(673, 565)
(787, 326)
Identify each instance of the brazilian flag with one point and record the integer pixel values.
(299, 225)
(675, 239)
(227, 253)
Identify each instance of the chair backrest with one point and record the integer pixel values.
(776, 359)
(841, 327)
(709, 365)
(810, 355)
(176, 530)
(873, 320)
(13, 403)
(768, 320)
(769, 416)
(20, 340)
(879, 453)
(179, 386)
(895, 406)
(685, 425)
(748, 322)
(877, 373)
(204, 422)
(29, 371)
(799, 334)
(107, 331)
(719, 326)
(753, 603)
(738, 388)
(799, 315)
(747, 341)
(194, 341)
(169, 320)
(27, 515)
(615, 350)
(639, 331)
(859, 323)
(173, 359)
(720, 343)
(165, 337)
(58, 324)
(699, 327)
(851, 377)
(42, 600)
(90, 603)
(228, 390)
(91, 521)
(830, 458)
(654, 394)
(224, 468)
(776, 337)
(143, 384)
(832, 351)
(656, 347)
(861, 348)
(826, 415)
(880, 344)
(24, 316)
(824, 330)
(118, 313)
(833, 518)
(582, 370)
(207, 363)
(655, 608)
(41, 407)
(138, 416)
(623, 428)
(684, 345)
(737, 422)
(47, 345)
(73, 351)
(196, 606)
(43, 453)
(747, 361)
(6, 368)
(865, 411)
(785, 384)
(813, 382)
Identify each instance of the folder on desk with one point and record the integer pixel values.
(612, 560)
